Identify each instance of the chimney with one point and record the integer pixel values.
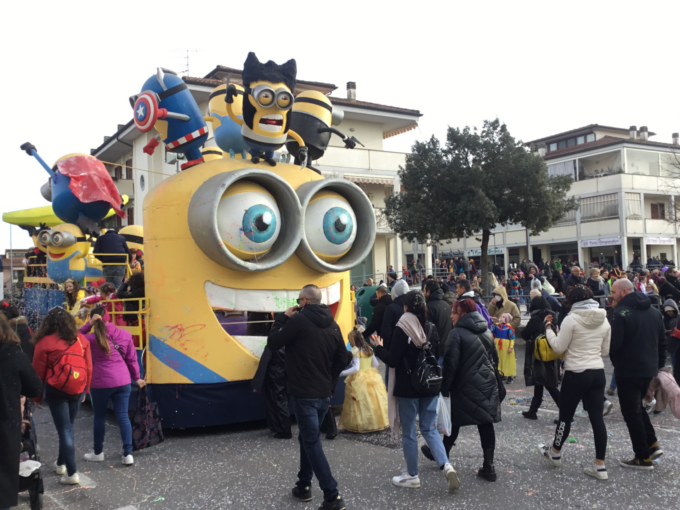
(351, 91)
(633, 132)
(541, 149)
(644, 135)
(676, 138)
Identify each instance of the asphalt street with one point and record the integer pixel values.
(242, 467)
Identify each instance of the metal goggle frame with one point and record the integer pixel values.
(276, 94)
(59, 238)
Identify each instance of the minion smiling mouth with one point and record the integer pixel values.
(273, 122)
(238, 302)
(55, 256)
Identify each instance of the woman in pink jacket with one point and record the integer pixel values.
(107, 292)
(114, 360)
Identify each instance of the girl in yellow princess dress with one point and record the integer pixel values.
(365, 407)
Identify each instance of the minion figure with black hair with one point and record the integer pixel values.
(312, 117)
(267, 104)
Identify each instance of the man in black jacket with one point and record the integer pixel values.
(439, 313)
(109, 243)
(575, 278)
(637, 351)
(384, 300)
(672, 277)
(315, 356)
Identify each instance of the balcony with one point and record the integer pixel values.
(659, 227)
(381, 224)
(126, 187)
(365, 159)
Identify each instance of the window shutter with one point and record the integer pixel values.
(655, 211)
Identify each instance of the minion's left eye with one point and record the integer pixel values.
(265, 98)
(330, 226)
(283, 100)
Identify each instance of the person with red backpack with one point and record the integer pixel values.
(63, 362)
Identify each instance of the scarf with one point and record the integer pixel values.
(410, 324)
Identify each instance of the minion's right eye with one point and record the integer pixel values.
(265, 98)
(45, 238)
(57, 239)
(248, 219)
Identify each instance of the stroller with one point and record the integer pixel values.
(33, 483)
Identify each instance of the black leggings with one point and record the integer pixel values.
(538, 396)
(589, 386)
(487, 435)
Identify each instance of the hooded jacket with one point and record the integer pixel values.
(584, 337)
(470, 360)
(670, 323)
(315, 351)
(638, 345)
(666, 289)
(393, 312)
(17, 378)
(116, 368)
(378, 315)
(536, 371)
(439, 314)
(505, 306)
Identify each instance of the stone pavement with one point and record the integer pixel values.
(242, 467)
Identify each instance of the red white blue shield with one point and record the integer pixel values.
(145, 111)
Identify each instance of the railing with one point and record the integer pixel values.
(37, 273)
(137, 327)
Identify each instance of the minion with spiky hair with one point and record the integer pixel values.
(267, 103)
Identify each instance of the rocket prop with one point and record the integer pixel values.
(81, 190)
(165, 103)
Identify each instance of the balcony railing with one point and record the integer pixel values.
(381, 224)
(366, 159)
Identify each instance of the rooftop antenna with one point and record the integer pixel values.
(186, 71)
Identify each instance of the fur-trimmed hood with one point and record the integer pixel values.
(18, 320)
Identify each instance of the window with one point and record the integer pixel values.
(553, 146)
(658, 211)
(633, 206)
(580, 140)
(590, 138)
(128, 169)
(131, 215)
(642, 162)
(118, 172)
(600, 207)
(562, 144)
(567, 219)
(571, 142)
(563, 168)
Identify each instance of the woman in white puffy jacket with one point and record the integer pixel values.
(584, 339)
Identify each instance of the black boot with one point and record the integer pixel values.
(488, 472)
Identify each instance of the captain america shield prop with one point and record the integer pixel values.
(145, 111)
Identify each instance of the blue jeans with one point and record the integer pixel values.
(120, 396)
(612, 385)
(114, 274)
(64, 413)
(309, 414)
(426, 409)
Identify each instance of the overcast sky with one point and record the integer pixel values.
(542, 67)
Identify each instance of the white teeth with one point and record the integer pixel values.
(225, 298)
(273, 116)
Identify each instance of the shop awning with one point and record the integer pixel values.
(384, 181)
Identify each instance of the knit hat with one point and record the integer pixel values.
(535, 293)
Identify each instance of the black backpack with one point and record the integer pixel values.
(426, 376)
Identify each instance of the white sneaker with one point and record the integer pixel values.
(600, 474)
(546, 451)
(128, 460)
(92, 457)
(70, 480)
(451, 477)
(607, 408)
(60, 470)
(406, 480)
(649, 406)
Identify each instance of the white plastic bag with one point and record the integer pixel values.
(443, 421)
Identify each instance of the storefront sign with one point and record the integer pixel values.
(477, 252)
(660, 240)
(609, 241)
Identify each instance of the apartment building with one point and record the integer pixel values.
(370, 167)
(627, 185)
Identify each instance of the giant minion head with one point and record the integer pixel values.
(229, 241)
(134, 236)
(268, 101)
